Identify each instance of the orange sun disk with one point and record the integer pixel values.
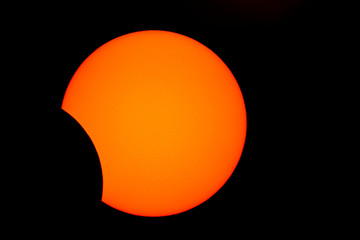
(167, 119)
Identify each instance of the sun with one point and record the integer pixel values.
(167, 119)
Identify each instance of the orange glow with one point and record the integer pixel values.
(167, 119)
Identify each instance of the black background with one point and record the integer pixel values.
(277, 61)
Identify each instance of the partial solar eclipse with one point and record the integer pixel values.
(167, 119)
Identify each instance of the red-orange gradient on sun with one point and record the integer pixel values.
(167, 119)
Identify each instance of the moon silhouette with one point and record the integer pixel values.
(167, 119)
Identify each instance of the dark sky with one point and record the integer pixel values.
(274, 51)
